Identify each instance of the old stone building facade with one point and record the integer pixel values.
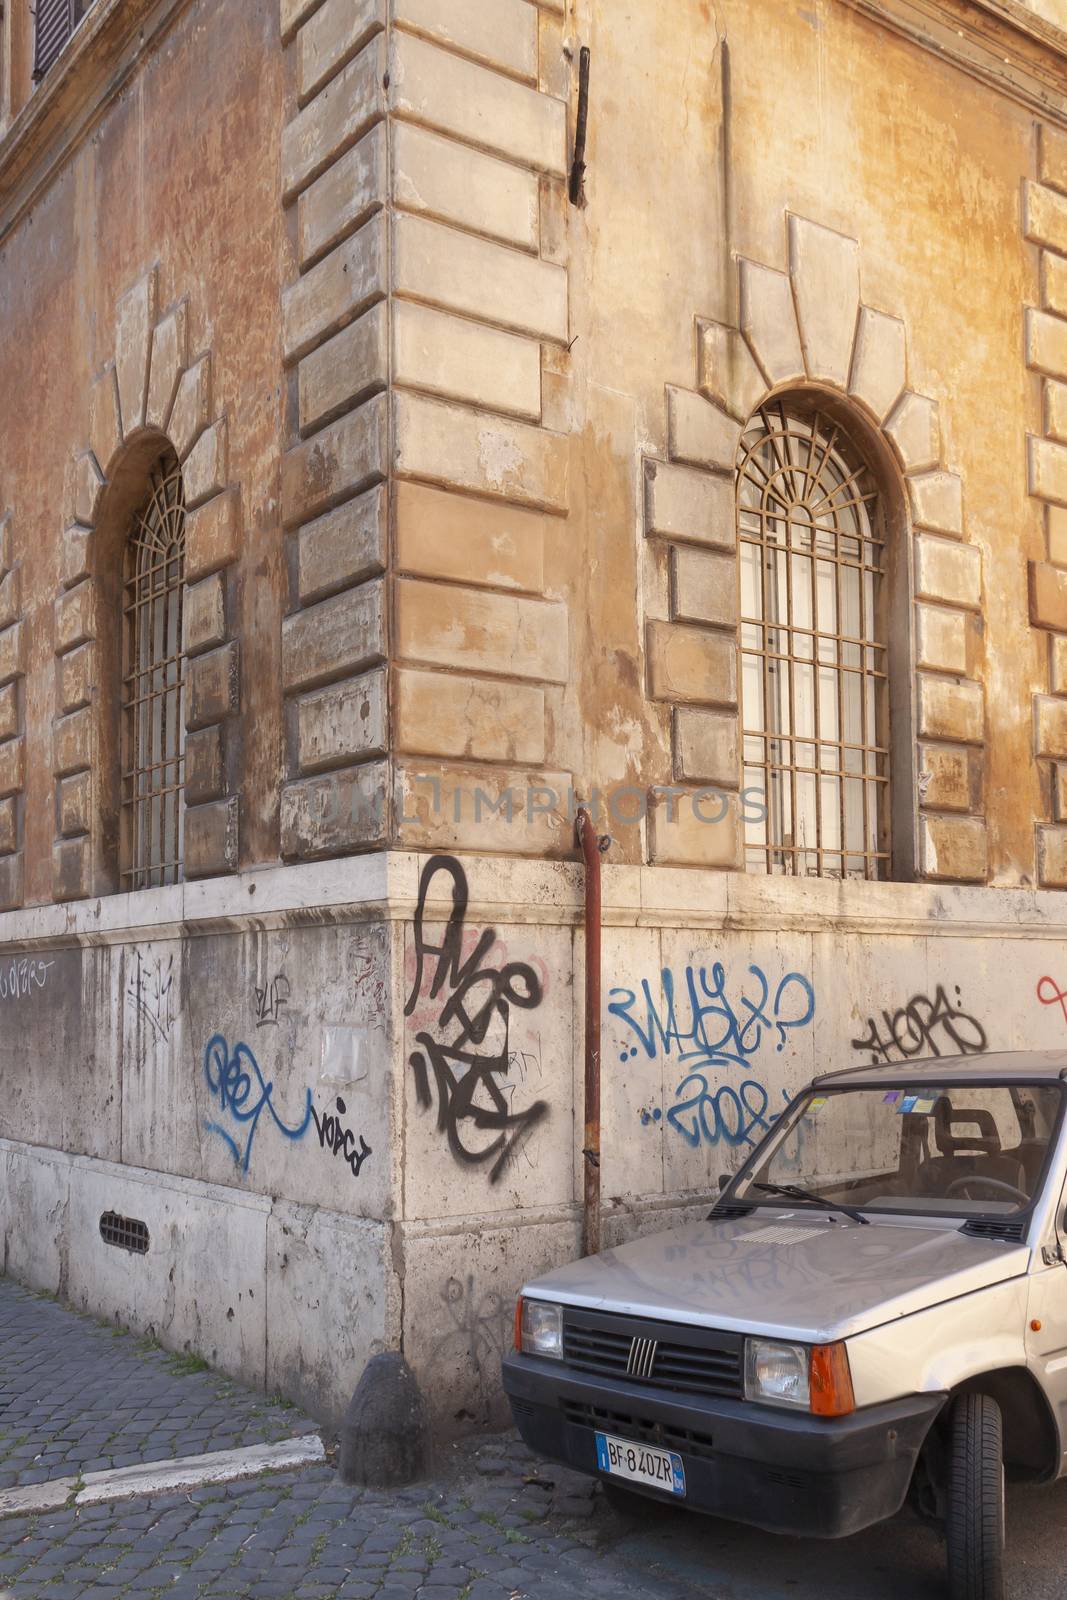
(376, 486)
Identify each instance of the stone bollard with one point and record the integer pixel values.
(385, 1436)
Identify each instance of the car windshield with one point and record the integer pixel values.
(954, 1149)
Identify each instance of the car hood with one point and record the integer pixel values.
(798, 1276)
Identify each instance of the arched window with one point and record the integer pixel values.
(813, 647)
(153, 733)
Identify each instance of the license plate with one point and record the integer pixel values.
(641, 1463)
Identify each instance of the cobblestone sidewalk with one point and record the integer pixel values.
(497, 1524)
(76, 1396)
(304, 1536)
(79, 1397)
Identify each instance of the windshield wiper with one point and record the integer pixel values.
(793, 1191)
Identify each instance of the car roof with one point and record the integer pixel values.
(1001, 1066)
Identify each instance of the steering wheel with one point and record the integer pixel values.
(987, 1183)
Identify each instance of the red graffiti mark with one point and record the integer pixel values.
(1052, 994)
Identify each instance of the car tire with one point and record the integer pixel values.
(974, 1523)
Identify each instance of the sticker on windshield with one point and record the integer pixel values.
(924, 1105)
(907, 1104)
(813, 1105)
(892, 1097)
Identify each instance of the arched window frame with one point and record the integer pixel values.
(153, 662)
(895, 847)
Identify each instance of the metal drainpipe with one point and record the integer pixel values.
(590, 846)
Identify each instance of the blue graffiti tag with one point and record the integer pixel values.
(716, 1030)
(237, 1082)
(699, 1026)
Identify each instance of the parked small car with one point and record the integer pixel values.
(874, 1311)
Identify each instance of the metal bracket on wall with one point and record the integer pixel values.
(577, 179)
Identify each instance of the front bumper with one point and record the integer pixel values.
(786, 1472)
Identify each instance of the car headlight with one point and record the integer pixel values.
(777, 1373)
(539, 1326)
(817, 1378)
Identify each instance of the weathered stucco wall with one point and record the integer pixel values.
(463, 491)
(227, 1082)
(181, 171)
(359, 1128)
(829, 118)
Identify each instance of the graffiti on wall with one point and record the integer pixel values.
(271, 1000)
(714, 1029)
(1050, 993)
(341, 1141)
(479, 1322)
(235, 1080)
(923, 1026)
(242, 1095)
(367, 981)
(150, 992)
(22, 977)
(465, 1055)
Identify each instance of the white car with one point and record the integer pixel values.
(874, 1309)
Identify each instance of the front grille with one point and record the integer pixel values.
(642, 1430)
(661, 1354)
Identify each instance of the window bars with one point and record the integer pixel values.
(153, 744)
(813, 650)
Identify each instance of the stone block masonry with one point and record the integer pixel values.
(1045, 226)
(12, 743)
(807, 324)
(422, 149)
(153, 382)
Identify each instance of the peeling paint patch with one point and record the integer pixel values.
(500, 457)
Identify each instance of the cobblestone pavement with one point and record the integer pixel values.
(77, 1396)
(304, 1536)
(496, 1524)
(502, 1527)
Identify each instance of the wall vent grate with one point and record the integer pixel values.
(125, 1233)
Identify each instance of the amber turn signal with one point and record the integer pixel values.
(831, 1381)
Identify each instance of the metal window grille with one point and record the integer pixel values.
(813, 650)
(125, 1233)
(153, 754)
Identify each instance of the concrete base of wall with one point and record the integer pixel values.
(347, 1137)
(290, 1299)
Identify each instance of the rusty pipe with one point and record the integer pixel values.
(588, 843)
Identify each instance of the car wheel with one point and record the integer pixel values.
(974, 1523)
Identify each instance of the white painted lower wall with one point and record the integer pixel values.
(293, 1299)
(176, 1056)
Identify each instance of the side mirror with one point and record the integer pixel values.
(724, 1179)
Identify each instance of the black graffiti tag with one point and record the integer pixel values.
(923, 1027)
(334, 1136)
(151, 991)
(271, 1000)
(472, 1108)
